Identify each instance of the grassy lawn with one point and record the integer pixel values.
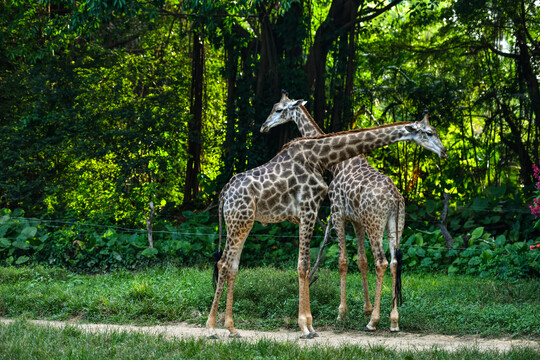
(266, 298)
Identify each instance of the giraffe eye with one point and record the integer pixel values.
(279, 110)
(429, 133)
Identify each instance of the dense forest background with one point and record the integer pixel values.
(108, 105)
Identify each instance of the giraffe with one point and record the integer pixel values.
(365, 197)
(291, 187)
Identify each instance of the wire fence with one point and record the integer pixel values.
(84, 223)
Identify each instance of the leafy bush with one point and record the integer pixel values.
(17, 237)
(82, 247)
(477, 253)
(491, 238)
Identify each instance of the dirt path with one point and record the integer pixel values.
(399, 341)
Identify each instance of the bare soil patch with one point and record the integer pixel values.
(398, 341)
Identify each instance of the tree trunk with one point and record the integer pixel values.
(343, 86)
(231, 70)
(515, 143)
(525, 64)
(338, 16)
(149, 219)
(191, 187)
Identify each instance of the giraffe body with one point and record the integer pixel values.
(371, 202)
(291, 187)
(283, 189)
(363, 196)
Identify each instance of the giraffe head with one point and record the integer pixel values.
(425, 135)
(283, 111)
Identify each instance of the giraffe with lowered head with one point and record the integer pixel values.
(291, 187)
(365, 197)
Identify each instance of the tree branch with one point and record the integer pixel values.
(377, 12)
(442, 224)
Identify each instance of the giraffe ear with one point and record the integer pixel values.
(297, 103)
(412, 128)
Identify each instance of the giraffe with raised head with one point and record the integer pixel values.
(363, 196)
(291, 187)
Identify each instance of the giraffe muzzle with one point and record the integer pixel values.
(443, 154)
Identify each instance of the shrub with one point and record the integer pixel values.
(83, 247)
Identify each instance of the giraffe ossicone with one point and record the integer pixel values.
(289, 187)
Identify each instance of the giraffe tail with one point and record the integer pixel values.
(399, 258)
(217, 255)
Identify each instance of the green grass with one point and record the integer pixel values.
(266, 298)
(22, 340)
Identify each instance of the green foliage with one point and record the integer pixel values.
(82, 247)
(483, 251)
(97, 97)
(491, 238)
(98, 124)
(477, 254)
(17, 236)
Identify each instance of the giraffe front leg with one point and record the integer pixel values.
(305, 319)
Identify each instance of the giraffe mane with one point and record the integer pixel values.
(343, 132)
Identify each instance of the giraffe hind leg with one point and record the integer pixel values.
(229, 323)
(227, 269)
(221, 278)
(339, 227)
(376, 239)
(394, 264)
(362, 262)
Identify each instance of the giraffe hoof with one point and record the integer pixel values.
(394, 329)
(314, 334)
(235, 336)
(213, 336)
(307, 336)
(369, 329)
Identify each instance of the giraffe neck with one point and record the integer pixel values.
(305, 123)
(308, 127)
(328, 150)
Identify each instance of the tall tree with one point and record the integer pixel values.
(191, 188)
